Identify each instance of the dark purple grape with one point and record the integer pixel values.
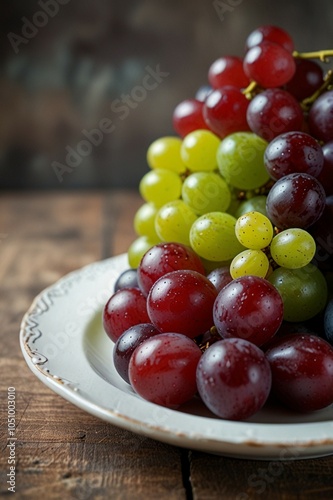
(321, 117)
(322, 231)
(127, 279)
(220, 277)
(326, 175)
(293, 152)
(233, 378)
(274, 112)
(307, 79)
(127, 343)
(328, 321)
(296, 200)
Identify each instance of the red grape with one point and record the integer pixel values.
(164, 258)
(182, 302)
(125, 308)
(127, 279)
(188, 117)
(295, 200)
(269, 64)
(127, 343)
(228, 70)
(326, 175)
(271, 34)
(250, 308)
(220, 277)
(163, 369)
(307, 79)
(234, 379)
(321, 117)
(293, 152)
(224, 111)
(302, 371)
(274, 112)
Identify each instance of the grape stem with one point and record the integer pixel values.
(323, 55)
(249, 89)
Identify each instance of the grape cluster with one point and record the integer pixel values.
(228, 295)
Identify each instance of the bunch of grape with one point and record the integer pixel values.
(235, 241)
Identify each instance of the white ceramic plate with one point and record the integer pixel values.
(63, 342)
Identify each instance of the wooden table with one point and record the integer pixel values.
(65, 453)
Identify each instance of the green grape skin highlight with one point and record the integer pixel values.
(165, 153)
(253, 262)
(240, 158)
(138, 248)
(160, 186)
(293, 248)
(212, 237)
(255, 204)
(254, 230)
(303, 291)
(144, 221)
(174, 221)
(206, 192)
(199, 149)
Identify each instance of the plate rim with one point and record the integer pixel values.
(228, 446)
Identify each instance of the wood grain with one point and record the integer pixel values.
(63, 452)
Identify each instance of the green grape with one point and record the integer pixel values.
(293, 248)
(160, 186)
(165, 153)
(210, 265)
(240, 159)
(303, 291)
(173, 222)
(144, 221)
(138, 248)
(199, 149)
(254, 230)
(206, 192)
(255, 204)
(253, 262)
(212, 237)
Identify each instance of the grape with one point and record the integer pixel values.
(206, 192)
(127, 279)
(328, 321)
(233, 379)
(138, 248)
(163, 369)
(293, 248)
(240, 159)
(164, 258)
(144, 221)
(164, 153)
(224, 111)
(160, 186)
(322, 231)
(174, 221)
(125, 308)
(326, 175)
(308, 78)
(270, 33)
(253, 262)
(203, 92)
(127, 343)
(182, 302)
(250, 308)
(188, 117)
(321, 117)
(254, 204)
(274, 112)
(199, 150)
(220, 277)
(293, 152)
(296, 200)
(228, 70)
(212, 236)
(269, 64)
(254, 230)
(303, 291)
(302, 371)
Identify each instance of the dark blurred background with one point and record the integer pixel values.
(64, 63)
